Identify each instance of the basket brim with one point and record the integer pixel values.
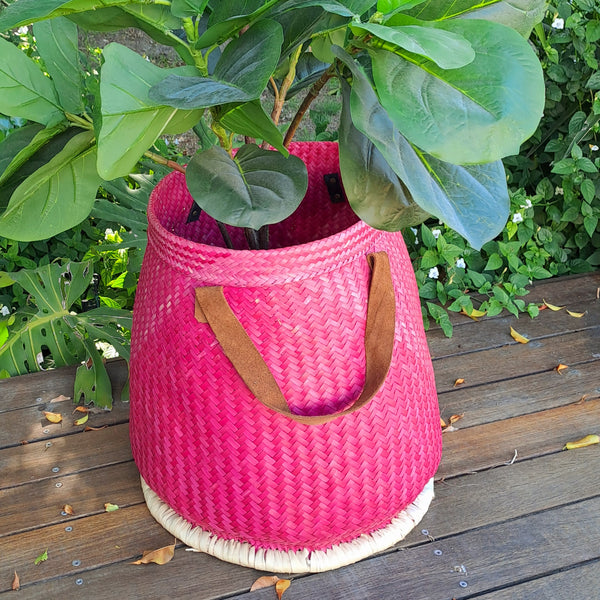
(277, 561)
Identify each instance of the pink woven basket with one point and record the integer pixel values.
(210, 454)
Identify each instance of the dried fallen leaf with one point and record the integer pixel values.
(160, 557)
(53, 417)
(16, 584)
(588, 440)
(475, 314)
(67, 508)
(552, 306)
(459, 381)
(455, 418)
(281, 586)
(60, 398)
(82, 409)
(42, 557)
(575, 314)
(443, 423)
(109, 507)
(264, 582)
(561, 368)
(88, 428)
(518, 337)
(82, 420)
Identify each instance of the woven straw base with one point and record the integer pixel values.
(303, 561)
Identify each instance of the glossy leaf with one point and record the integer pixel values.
(24, 90)
(374, 191)
(250, 119)
(472, 200)
(188, 8)
(126, 104)
(472, 115)
(521, 15)
(107, 324)
(22, 145)
(388, 6)
(256, 188)
(241, 74)
(57, 43)
(447, 49)
(57, 196)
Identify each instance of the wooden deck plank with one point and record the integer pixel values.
(573, 584)
(73, 453)
(517, 360)
(493, 557)
(466, 503)
(495, 332)
(493, 444)
(528, 394)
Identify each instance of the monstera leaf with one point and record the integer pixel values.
(51, 334)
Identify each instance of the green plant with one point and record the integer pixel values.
(431, 102)
(47, 333)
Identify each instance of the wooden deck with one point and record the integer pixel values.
(500, 527)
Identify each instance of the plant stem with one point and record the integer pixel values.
(225, 235)
(157, 158)
(312, 94)
(285, 85)
(252, 238)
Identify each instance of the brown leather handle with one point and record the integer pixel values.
(212, 308)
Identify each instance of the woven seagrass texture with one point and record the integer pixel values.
(206, 446)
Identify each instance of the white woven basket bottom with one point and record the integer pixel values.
(277, 561)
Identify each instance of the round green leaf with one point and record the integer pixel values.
(476, 114)
(256, 188)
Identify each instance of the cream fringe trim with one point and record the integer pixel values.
(279, 561)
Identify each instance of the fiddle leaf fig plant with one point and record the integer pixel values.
(434, 94)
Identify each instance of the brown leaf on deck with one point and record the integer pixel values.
(82, 409)
(560, 368)
(159, 557)
(264, 582)
(53, 417)
(455, 418)
(281, 586)
(459, 381)
(443, 423)
(88, 428)
(67, 508)
(60, 398)
(518, 337)
(16, 583)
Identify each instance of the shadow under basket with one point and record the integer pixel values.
(283, 406)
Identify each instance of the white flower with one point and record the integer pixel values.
(4, 311)
(527, 204)
(517, 218)
(558, 23)
(108, 233)
(414, 230)
(593, 147)
(433, 273)
(460, 263)
(436, 233)
(23, 30)
(559, 191)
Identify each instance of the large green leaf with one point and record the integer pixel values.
(131, 122)
(256, 188)
(91, 379)
(473, 200)
(54, 289)
(446, 48)
(57, 43)
(476, 114)
(375, 192)
(188, 8)
(57, 196)
(107, 324)
(24, 90)
(23, 153)
(250, 119)
(521, 15)
(241, 74)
